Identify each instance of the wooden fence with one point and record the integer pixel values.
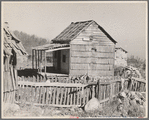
(62, 92)
(9, 85)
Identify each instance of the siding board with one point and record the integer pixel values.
(91, 54)
(97, 42)
(89, 48)
(80, 60)
(91, 67)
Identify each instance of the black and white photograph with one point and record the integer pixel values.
(74, 59)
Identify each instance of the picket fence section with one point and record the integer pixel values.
(62, 92)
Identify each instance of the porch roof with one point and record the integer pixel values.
(52, 47)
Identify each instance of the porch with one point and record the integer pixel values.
(51, 59)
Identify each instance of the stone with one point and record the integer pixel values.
(142, 108)
(48, 112)
(122, 95)
(133, 102)
(6, 106)
(144, 104)
(144, 94)
(15, 107)
(126, 91)
(139, 95)
(119, 100)
(128, 94)
(116, 114)
(126, 103)
(139, 101)
(78, 109)
(56, 112)
(11, 106)
(72, 109)
(132, 95)
(124, 113)
(93, 105)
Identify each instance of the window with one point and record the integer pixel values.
(64, 58)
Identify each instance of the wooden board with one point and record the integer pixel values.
(89, 48)
(97, 42)
(56, 84)
(91, 67)
(92, 60)
(91, 54)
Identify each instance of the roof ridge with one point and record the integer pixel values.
(83, 21)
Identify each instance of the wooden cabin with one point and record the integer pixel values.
(120, 57)
(12, 48)
(82, 48)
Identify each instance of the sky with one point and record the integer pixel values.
(125, 22)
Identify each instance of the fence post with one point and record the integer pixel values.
(93, 93)
(111, 91)
(99, 89)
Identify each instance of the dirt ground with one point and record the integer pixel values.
(47, 111)
(110, 110)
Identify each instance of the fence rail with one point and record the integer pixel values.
(63, 92)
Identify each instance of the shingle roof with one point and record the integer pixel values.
(72, 31)
(11, 41)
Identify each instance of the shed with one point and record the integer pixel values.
(82, 48)
(12, 48)
(120, 57)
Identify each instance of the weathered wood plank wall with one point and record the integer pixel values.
(95, 57)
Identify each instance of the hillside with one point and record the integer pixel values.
(30, 41)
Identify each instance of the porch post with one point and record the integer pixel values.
(36, 57)
(45, 61)
(32, 58)
(41, 55)
(40, 61)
